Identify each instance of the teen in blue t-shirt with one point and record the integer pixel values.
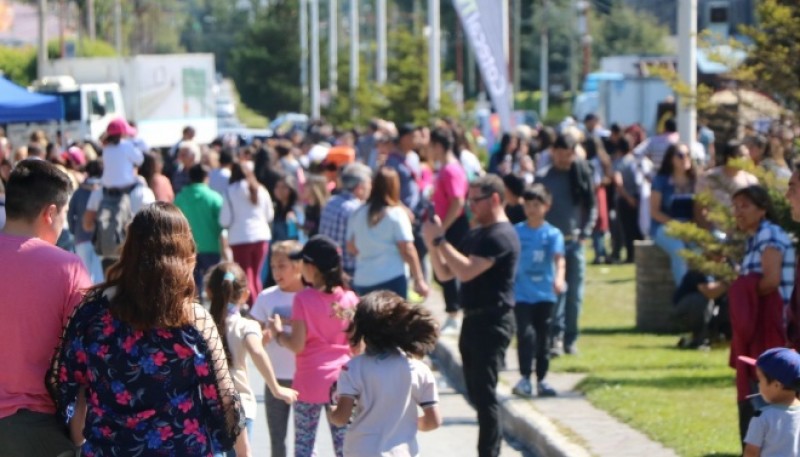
(540, 279)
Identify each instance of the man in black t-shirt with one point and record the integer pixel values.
(485, 263)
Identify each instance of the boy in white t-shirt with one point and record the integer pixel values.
(278, 300)
(775, 430)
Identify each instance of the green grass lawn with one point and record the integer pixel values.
(682, 398)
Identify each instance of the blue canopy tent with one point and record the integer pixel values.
(18, 105)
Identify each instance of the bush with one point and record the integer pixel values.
(18, 64)
(716, 256)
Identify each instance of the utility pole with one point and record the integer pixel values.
(333, 47)
(354, 33)
(304, 49)
(315, 99)
(41, 55)
(687, 68)
(381, 73)
(544, 63)
(516, 44)
(62, 17)
(91, 23)
(434, 57)
(118, 26)
(586, 38)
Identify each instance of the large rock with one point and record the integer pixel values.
(654, 289)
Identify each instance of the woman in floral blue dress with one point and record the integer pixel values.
(141, 370)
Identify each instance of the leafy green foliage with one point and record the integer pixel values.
(18, 64)
(717, 257)
(406, 91)
(264, 61)
(773, 63)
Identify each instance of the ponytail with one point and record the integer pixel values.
(225, 284)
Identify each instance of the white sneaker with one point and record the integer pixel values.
(524, 389)
(452, 326)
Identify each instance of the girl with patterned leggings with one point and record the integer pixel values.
(320, 316)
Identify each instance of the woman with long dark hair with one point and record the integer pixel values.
(672, 198)
(379, 235)
(247, 212)
(141, 367)
(151, 170)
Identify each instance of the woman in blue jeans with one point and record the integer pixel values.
(379, 235)
(672, 198)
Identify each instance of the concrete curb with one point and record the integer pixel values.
(519, 418)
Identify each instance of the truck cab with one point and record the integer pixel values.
(88, 108)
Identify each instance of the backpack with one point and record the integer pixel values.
(113, 217)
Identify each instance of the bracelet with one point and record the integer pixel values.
(438, 240)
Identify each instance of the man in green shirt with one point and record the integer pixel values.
(201, 206)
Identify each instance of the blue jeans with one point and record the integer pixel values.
(599, 245)
(205, 261)
(90, 260)
(568, 306)
(248, 424)
(672, 246)
(398, 285)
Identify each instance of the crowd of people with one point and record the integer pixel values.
(308, 251)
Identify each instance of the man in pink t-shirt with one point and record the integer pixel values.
(40, 285)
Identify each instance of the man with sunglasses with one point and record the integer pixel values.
(485, 262)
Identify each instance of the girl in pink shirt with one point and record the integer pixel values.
(320, 317)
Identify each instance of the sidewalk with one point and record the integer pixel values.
(564, 426)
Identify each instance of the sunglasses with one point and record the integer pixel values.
(475, 200)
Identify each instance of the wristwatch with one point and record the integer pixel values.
(438, 240)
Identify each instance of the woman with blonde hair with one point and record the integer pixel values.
(315, 196)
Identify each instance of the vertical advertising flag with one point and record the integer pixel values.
(483, 24)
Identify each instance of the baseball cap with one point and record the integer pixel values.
(320, 251)
(120, 126)
(75, 155)
(780, 364)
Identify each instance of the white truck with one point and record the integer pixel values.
(622, 99)
(161, 93)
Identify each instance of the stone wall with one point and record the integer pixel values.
(654, 289)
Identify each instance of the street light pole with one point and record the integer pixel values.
(118, 26)
(381, 32)
(544, 64)
(434, 57)
(315, 101)
(354, 37)
(304, 49)
(687, 67)
(333, 47)
(41, 55)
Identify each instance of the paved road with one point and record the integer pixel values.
(457, 436)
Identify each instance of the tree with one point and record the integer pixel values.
(264, 61)
(624, 30)
(406, 90)
(773, 61)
